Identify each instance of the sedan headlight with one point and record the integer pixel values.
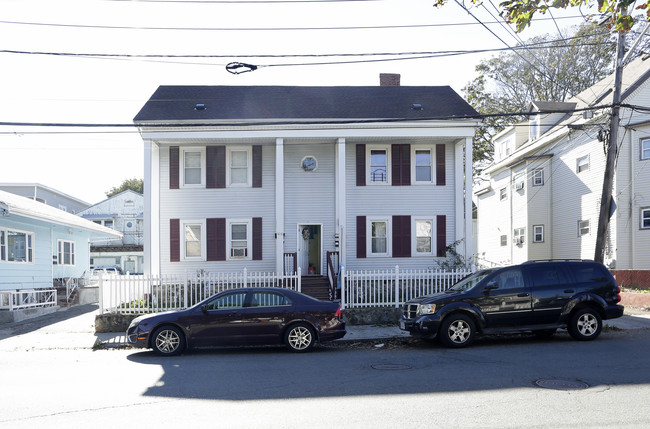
(426, 309)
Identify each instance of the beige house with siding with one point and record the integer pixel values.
(542, 197)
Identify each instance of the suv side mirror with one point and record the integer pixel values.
(491, 285)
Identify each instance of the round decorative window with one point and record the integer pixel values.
(309, 163)
(129, 224)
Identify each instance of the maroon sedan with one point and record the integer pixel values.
(250, 316)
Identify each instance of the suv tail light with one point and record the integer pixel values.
(338, 313)
(618, 294)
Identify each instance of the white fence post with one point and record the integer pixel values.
(299, 280)
(396, 286)
(343, 289)
(101, 294)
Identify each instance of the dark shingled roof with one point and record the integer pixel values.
(246, 103)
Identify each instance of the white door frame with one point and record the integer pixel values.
(300, 241)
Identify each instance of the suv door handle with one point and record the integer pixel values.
(569, 291)
(523, 295)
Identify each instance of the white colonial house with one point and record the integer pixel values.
(271, 178)
(123, 212)
(46, 195)
(542, 197)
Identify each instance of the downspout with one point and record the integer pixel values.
(632, 208)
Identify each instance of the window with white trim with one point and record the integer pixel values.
(16, 246)
(583, 227)
(378, 162)
(505, 148)
(239, 161)
(645, 149)
(192, 167)
(423, 166)
(504, 240)
(379, 237)
(534, 129)
(645, 218)
(239, 239)
(538, 177)
(538, 233)
(194, 240)
(66, 252)
(519, 236)
(582, 164)
(503, 194)
(423, 236)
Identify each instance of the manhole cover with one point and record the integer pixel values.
(390, 366)
(559, 384)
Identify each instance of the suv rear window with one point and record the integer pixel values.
(547, 275)
(587, 273)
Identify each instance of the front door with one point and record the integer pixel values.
(309, 248)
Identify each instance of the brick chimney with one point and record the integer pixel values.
(389, 79)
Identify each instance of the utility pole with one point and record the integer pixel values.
(612, 149)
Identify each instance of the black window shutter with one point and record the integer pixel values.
(441, 236)
(361, 236)
(174, 152)
(361, 164)
(257, 168)
(174, 240)
(257, 239)
(441, 174)
(216, 239)
(401, 236)
(401, 164)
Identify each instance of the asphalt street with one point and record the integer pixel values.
(52, 377)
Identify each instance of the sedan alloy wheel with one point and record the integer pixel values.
(300, 337)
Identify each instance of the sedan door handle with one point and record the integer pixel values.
(569, 291)
(523, 295)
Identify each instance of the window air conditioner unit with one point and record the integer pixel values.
(519, 186)
(519, 241)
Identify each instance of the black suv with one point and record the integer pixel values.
(537, 296)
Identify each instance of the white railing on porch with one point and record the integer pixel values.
(27, 298)
(134, 294)
(382, 288)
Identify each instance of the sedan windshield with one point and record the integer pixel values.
(471, 280)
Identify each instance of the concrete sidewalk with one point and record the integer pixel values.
(74, 328)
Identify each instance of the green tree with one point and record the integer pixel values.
(547, 70)
(136, 185)
(521, 12)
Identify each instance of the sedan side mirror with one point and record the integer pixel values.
(204, 309)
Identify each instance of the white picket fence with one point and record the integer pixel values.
(134, 294)
(382, 288)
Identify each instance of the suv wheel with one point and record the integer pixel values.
(457, 330)
(586, 324)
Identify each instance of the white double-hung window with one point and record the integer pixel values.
(193, 167)
(423, 166)
(16, 246)
(239, 160)
(194, 240)
(239, 239)
(378, 162)
(423, 236)
(66, 252)
(379, 237)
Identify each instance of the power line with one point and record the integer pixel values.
(377, 27)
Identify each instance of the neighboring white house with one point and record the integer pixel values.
(46, 195)
(239, 176)
(40, 246)
(123, 212)
(542, 199)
